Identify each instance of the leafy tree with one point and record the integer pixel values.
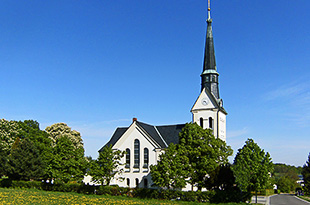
(9, 131)
(3, 160)
(197, 155)
(106, 167)
(24, 161)
(169, 171)
(204, 151)
(221, 178)
(306, 175)
(281, 170)
(286, 184)
(68, 162)
(30, 129)
(252, 167)
(60, 130)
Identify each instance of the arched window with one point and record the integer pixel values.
(128, 182)
(146, 158)
(127, 158)
(210, 123)
(201, 122)
(145, 183)
(137, 153)
(137, 182)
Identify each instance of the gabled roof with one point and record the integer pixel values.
(116, 136)
(162, 135)
(218, 103)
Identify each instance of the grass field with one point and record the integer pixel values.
(30, 196)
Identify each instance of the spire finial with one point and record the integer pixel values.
(209, 10)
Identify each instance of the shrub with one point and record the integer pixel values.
(5, 183)
(230, 195)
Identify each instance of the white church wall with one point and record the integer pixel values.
(222, 126)
(140, 173)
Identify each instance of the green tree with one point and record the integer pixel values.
(198, 154)
(107, 166)
(252, 167)
(68, 162)
(24, 161)
(30, 129)
(306, 175)
(204, 151)
(169, 171)
(286, 184)
(3, 160)
(60, 130)
(9, 131)
(281, 170)
(221, 178)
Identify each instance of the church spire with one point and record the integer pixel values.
(209, 76)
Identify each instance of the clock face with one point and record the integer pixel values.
(205, 101)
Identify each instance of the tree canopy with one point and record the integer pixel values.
(306, 174)
(192, 160)
(60, 130)
(28, 153)
(9, 131)
(68, 162)
(169, 171)
(252, 167)
(106, 167)
(24, 161)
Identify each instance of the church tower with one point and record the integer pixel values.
(208, 110)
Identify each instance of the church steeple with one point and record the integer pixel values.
(209, 76)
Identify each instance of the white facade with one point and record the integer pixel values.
(134, 176)
(208, 113)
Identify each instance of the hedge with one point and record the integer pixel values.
(216, 196)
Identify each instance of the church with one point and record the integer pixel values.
(143, 143)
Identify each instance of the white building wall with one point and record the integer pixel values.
(222, 126)
(219, 121)
(205, 108)
(140, 173)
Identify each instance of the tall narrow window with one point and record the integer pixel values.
(128, 182)
(146, 158)
(127, 158)
(137, 153)
(201, 122)
(210, 123)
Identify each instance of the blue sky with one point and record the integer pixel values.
(97, 64)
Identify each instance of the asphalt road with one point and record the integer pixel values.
(286, 199)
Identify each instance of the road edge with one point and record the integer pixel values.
(302, 200)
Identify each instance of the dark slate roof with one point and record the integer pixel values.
(163, 135)
(209, 57)
(218, 102)
(116, 136)
(151, 130)
(170, 133)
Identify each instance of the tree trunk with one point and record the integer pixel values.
(255, 197)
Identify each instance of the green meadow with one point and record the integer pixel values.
(32, 196)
